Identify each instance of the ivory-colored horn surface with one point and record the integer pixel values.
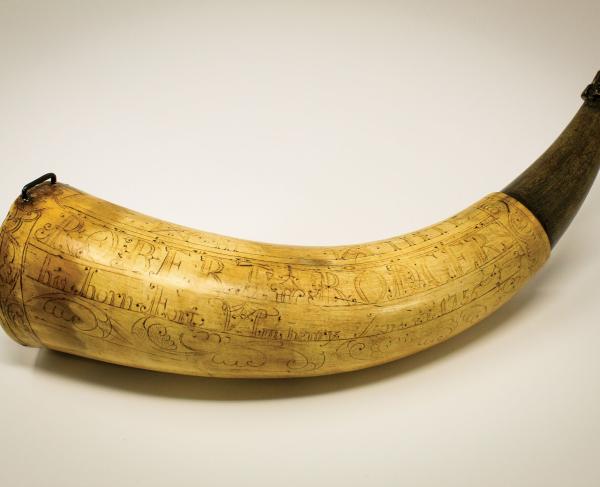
(84, 276)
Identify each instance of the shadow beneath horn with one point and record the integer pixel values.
(212, 389)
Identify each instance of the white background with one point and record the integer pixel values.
(310, 123)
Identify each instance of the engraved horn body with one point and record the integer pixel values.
(84, 276)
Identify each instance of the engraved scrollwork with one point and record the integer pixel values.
(303, 361)
(14, 316)
(355, 349)
(17, 217)
(9, 272)
(241, 358)
(432, 335)
(158, 332)
(73, 312)
(199, 340)
(171, 337)
(15, 228)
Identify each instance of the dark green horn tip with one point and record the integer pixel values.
(554, 186)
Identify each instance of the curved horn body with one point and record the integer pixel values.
(87, 277)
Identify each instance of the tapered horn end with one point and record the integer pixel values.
(554, 186)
